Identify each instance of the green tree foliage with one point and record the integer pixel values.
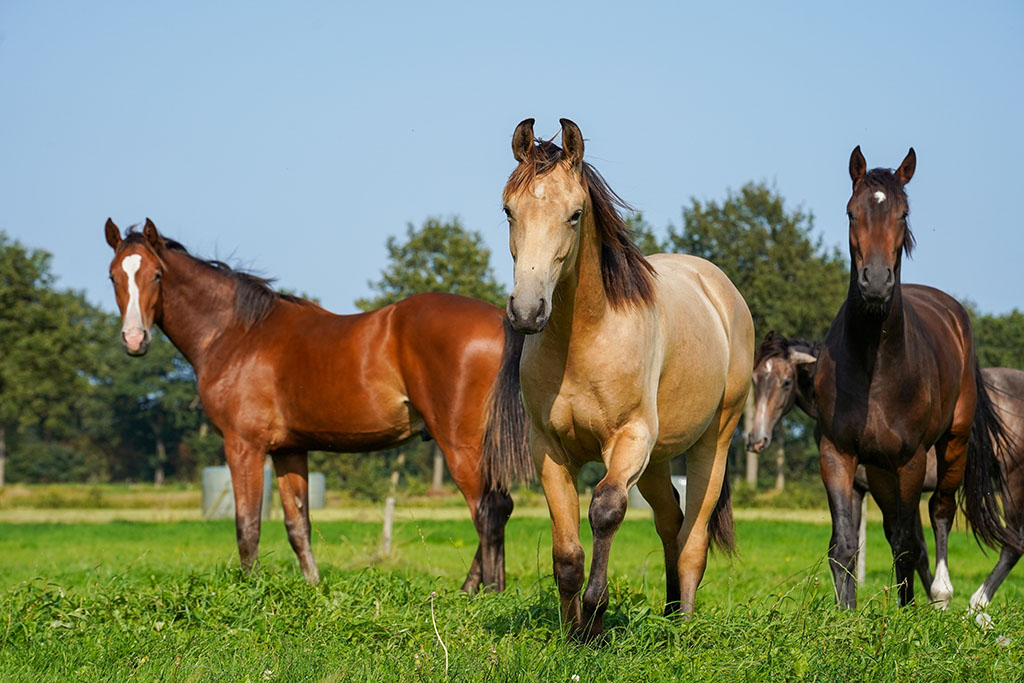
(791, 282)
(998, 339)
(45, 354)
(438, 257)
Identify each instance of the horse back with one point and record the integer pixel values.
(308, 379)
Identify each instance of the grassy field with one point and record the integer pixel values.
(164, 601)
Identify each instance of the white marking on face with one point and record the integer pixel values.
(879, 196)
(942, 587)
(768, 365)
(538, 190)
(133, 312)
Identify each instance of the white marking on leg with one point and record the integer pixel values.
(879, 196)
(942, 587)
(133, 312)
(979, 601)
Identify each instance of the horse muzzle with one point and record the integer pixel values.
(757, 442)
(876, 283)
(527, 317)
(136, 341)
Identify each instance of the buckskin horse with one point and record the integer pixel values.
(630, 361)
(897, 375)
(280, 375)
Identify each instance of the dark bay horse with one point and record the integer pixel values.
(897, 375)
(630, 361)
(784, 376)
(280, 375)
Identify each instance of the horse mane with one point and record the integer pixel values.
(885, 180)
(777, 346)
(255, 296)
(627, 276)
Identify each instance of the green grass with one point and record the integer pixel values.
(134, 601)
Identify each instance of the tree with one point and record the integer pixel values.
(791, 282)
(45, 343)
(439, 257)
(999, 339)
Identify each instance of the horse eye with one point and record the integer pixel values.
(849, 214)
(905, 215)
(576, 216)
(787, 383)
(110, 277)
(508, 212)
(157, 276)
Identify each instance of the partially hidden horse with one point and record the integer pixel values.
(630, 361)
(896, 376)
(280, 375)
(784, 377)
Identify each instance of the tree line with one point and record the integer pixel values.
(74, 407)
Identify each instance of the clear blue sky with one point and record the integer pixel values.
(293, 138)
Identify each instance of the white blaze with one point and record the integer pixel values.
(132, 313)
(879, 196)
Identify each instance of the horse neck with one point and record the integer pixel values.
(868, 333)
(579, 301)
(197, 304)
(805, 398)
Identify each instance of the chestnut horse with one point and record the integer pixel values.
(631, 361)
(784, 375)
(897, 375)
(280, 375)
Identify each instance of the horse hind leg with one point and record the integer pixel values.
(465, 467)
(491, 517)
(655, 485)
(245, 462)
(1013, 506)
(705, 474)
(293, 484)
(950, 455)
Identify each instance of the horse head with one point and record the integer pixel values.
(135, 273)
(879, 231)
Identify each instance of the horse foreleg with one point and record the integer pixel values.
(923, 567)
(626, 455)
(898, 495)
(837, 472)
(558, 477)
(293, 485)
(656, 487)
(246, 464)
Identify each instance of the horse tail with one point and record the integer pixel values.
(983, 477)
(720, 526)
(506, 453)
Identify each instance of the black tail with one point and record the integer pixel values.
(506, 453)
(983, 477)
(720, 526)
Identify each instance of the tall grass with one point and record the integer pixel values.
(127, 601)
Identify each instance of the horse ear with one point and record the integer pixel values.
(858, 166)
(152, 236)
(522, 140)
(906, 170)
(572, 144)
(768, 337)
(113, 234)
(801, 357)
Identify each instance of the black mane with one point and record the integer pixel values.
(255, 296)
